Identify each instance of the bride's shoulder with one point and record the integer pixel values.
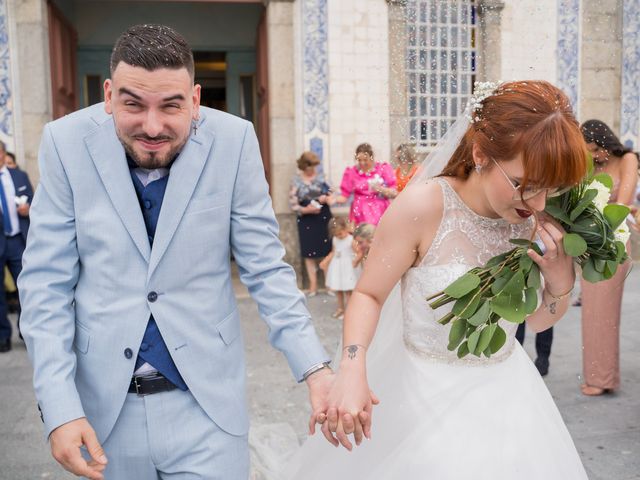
(421, 203)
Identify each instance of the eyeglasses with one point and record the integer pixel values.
(529, 192)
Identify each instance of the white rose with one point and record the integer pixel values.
(602, 198)
(622, 233)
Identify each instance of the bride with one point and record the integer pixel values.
(441, 417)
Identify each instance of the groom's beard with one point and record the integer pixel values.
(152, 160)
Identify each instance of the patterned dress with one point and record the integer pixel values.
(313, 229)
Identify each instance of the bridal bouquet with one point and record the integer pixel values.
(507, 285)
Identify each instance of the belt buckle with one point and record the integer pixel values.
(138, 386)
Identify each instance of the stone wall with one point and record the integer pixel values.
(601, 61)
(358, 82)
(528, 40)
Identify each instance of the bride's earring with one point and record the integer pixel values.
(478, 169)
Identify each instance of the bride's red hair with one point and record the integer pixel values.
(529, 117)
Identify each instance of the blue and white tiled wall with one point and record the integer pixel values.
(630, 114)
(6, 91)
(315, 79)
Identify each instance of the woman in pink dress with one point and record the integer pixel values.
(372, 185)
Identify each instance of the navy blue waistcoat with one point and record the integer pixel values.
(153, 350)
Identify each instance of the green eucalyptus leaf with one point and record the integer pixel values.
(481, 316)
(574, 244)
(605, 179)
(498, 284)
(533, 279)
(493, 261)
(525, 263)
(530, 300)
(589, 272)
(485, 338)
(515, 285)
(498, 340)
(467, 305)
(610, 268)
(599, 264)
(463, 285)
(510, 307)
(621, 252)
(463, 350)
(615, 214)
(456, 334)
(472, 341)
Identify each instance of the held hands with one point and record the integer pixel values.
(555, 265)
(348, 407)
(66, 441)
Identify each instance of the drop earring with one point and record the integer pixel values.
(478, 169)
(194, 125)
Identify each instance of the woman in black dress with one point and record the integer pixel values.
(310, 198)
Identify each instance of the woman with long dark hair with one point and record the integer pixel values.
(601, 302)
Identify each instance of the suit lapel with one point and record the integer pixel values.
(183, 178)
(109, 158)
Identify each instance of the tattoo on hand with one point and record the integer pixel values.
(552, 308)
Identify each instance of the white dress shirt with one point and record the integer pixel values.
(10, 196)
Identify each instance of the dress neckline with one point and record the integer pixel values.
(482, 220)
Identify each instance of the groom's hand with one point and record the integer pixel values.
(66, 441)
(320, 384)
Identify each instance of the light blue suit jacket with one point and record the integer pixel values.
(88, 268)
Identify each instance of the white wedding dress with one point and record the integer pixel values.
(441, 417)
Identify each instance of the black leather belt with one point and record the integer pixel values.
(150, 384)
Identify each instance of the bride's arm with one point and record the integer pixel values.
(406, 230)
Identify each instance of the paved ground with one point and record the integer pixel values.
(606, 429)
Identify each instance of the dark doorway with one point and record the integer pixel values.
(210, 73)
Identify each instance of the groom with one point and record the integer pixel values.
(128, 313)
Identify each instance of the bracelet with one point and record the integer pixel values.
(315, 369)
(558, 297)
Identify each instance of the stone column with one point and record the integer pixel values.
(601, 61)
(280, 46)
(398, 84)
(32, 78)
(488, 40)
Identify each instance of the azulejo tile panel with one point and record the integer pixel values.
(315, 66)
(568, 56)
(6, 106)
(630, 114)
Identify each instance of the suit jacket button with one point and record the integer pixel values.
(128, 353)
(152, 297)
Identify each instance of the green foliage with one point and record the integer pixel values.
(506, 287)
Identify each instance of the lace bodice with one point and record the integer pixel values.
(464, 240)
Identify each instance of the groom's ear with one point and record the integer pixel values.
(108, 95)
(479, 157)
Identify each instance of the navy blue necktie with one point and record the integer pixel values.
(6, 220)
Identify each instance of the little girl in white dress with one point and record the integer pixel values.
(341, 276)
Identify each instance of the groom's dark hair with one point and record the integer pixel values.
(152, 47)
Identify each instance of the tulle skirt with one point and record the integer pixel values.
(441, 421)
